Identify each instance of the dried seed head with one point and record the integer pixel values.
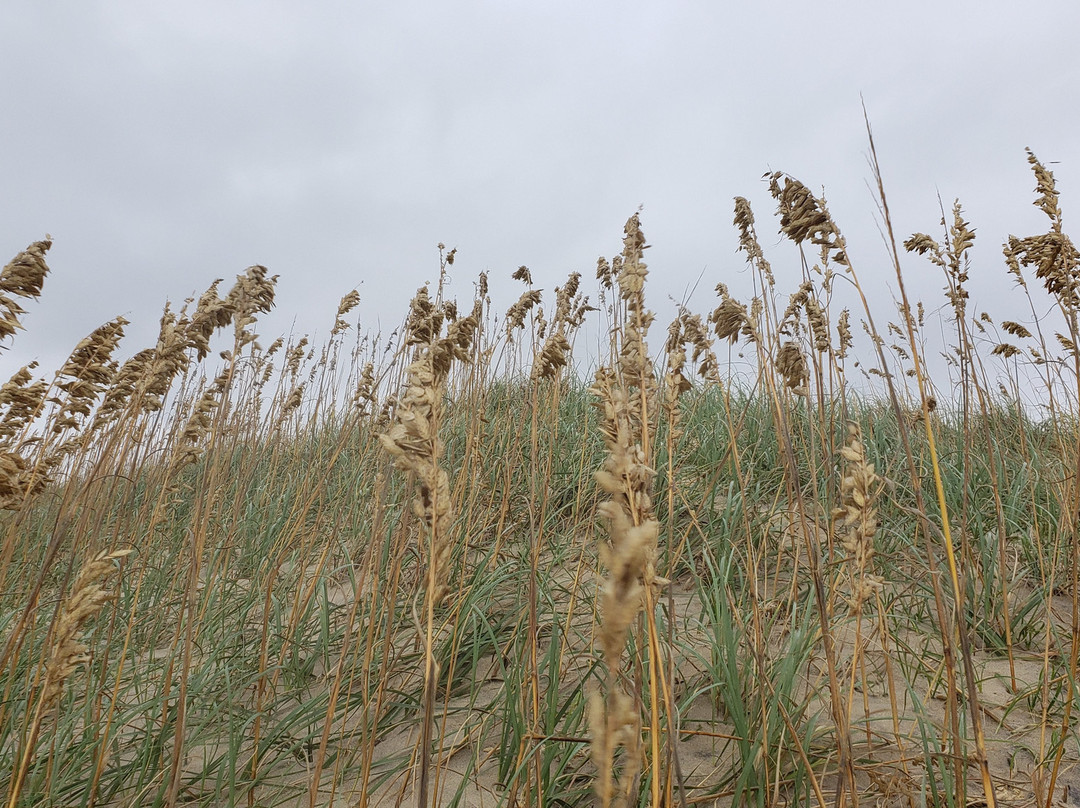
(1067, 344)
(1055, 258)
(365, 389)
(293, 402)
(843, 333)
(20, 402)
(566, 297)
(253, 293)
(629, 557)
(84, 375)
(294, 356)
(856, 520)
(87, 598)
(198, 425)
(1056, 261)
(604, 273)
(695, 334)
(748, 241)
(515, 315)
(804, 217)
(819, 325)
(552, 358)
(922, 244)
(18, 482)
(211, 313)
(522, 274)
(23, 277)
(1015, 329)
(791, 365)
(425, 319)
(170, 359)
(729, 319)
(457, 344)
(124, 385)
(1045, 187)
(347, 304)
(413, 438)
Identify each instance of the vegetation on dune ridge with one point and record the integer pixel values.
(440, 568)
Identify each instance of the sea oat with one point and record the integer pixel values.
(515, 315)
(67, 650)
(626, 399)
(190, 446)
(1054, 256)
(791, 364)
(843, 334)
(84, 376)
(413, 439)
(347, 304)
(804, 217)
(88, 596)
(748, 240)
(857, 518)
(20, 402)
(23, 277)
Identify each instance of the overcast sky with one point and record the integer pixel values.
(164, 145)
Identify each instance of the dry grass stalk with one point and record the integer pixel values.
(627, 404)
(67, 651)
(413, 440)
(629, 556)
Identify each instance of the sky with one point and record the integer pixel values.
(164, 145)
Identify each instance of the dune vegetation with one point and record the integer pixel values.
(761, 556)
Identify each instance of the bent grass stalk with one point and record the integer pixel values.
(67, 652)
